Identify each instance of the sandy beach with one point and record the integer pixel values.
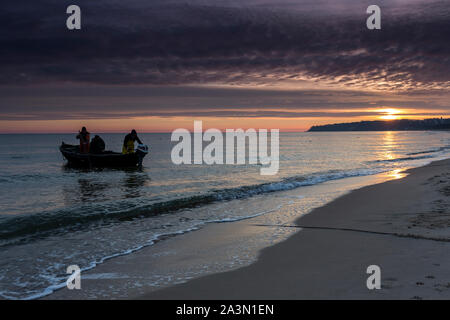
(402, 226)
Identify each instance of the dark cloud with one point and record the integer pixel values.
(226, 42)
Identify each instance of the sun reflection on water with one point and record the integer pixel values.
(389, 145)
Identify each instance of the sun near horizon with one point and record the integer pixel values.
(390, 114)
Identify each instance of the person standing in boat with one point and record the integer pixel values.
(84, 137)
(128, 142)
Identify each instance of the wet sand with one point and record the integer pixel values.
(215, 248)
(403, 226)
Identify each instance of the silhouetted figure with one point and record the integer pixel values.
(128, 142)
(97, 145)
(84, 137)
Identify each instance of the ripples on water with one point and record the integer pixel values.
(52, 215)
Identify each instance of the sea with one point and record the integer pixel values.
(53, 215)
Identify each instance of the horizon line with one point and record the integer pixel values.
(126, 132)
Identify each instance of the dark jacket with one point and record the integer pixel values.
(97, 145)
(129, 137)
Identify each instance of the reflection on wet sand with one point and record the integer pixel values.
(396, 174)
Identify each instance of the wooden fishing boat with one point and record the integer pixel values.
(104, 159)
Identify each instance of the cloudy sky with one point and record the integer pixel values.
(156, 65)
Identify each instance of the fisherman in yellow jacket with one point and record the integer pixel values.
(128, 142)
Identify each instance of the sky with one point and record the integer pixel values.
(158, 65)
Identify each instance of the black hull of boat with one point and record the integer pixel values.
(107, 159)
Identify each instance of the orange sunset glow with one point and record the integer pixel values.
(170, 123)
(390, 114)
(230, 69)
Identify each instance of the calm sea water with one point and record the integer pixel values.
(52, 216)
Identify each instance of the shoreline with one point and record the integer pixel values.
(176, 265)
(400, 225)
(215, 247)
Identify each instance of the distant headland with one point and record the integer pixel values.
(387, 125)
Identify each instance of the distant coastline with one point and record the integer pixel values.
(387, 125)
